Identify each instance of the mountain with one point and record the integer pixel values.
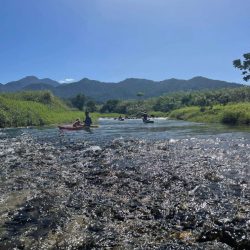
(24, 82)
(126, 89)
(129, 88)
(38, 86)
(49, 82)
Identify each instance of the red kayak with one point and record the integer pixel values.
(71, 127)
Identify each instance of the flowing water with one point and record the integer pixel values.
(110, 129)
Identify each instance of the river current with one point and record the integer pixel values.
(110, 129)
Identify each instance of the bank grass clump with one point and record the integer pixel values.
(236, 114)
(232, 114)
(34, 108)
(44, 97)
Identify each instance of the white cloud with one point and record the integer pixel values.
(67, 80)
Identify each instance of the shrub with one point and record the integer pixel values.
(3, 119)
(230, 117)
(46, 97)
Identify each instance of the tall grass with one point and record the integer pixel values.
(37, 108)
(34, 109)
(233, 113)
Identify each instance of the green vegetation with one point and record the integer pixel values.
(233, 114)
(78, 101)
(244, 66)
(34, 109)
(131, 88)
(129, 107)
(38, 108)
(202, 99)
(229, 106)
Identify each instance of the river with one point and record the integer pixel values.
(110, 129)
(126, 185)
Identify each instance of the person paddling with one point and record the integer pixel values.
(77, 123)
(88, 120)
(145, 117)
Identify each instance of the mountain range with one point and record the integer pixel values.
(126, 89)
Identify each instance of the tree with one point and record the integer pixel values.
(91, 106)
(109, 106)
(3, 119)
(186, 99)
(244, 66)
(78, 101)
(45, 97)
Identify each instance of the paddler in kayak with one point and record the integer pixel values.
(144, 117)
(77, 123)
(88, 121)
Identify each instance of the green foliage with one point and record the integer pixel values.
(32, 109)
(233, 114)
(43, 97)
(3, 119)
(110, 106)
(185, 113)
(230, 117)
(244, 66)
(91, 106)
(202, 99)
(78, 101)
(236, 114)
(126, 107)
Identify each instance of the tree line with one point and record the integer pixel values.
(170, 102)
(82, 102)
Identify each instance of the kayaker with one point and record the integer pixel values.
(145, 117)
(88, 120)
(120, 118)
(77, 123)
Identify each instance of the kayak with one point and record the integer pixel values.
(70, 127)
(148, 121)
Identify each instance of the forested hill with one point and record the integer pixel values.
(25, 82)
(127, 89)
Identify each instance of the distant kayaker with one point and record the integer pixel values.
(145, 117)
(120, 118)
(77, 123)
(88, 120)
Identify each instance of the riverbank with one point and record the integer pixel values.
(38, 109)
(232, 114)
(125, 194)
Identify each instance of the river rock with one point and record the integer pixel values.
(124, 194)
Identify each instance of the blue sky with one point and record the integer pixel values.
(111, 40)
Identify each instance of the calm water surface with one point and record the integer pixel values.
(110, 129)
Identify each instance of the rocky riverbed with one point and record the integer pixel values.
(125, 194)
